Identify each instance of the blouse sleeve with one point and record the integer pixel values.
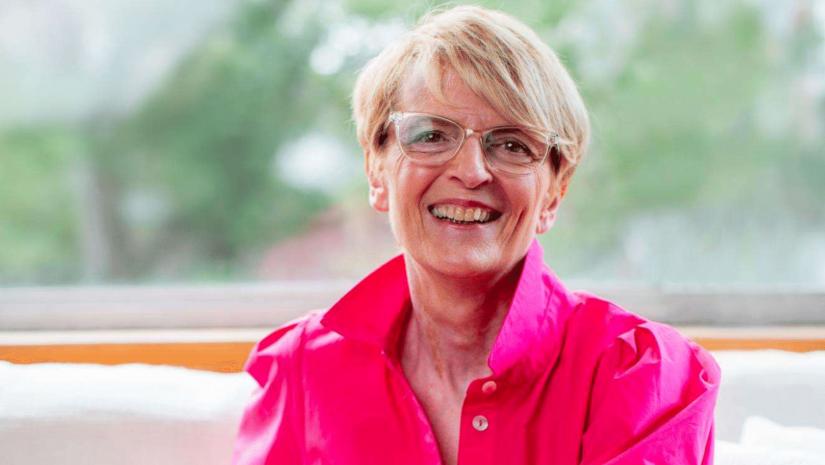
(652, 401)
(268, 429)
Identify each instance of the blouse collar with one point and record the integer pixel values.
(375, 310)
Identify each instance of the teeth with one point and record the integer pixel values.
(458, 214)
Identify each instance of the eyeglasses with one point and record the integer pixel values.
(434, 140)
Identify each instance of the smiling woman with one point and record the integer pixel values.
(467, 347)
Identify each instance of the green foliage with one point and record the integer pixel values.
(677, 130)
(37, 234)
(188, 186)
(206, 140)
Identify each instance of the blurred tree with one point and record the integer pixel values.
(37, 238)
(708, 135)
(205, 143)
(677, 131)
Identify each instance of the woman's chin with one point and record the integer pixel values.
(458, 262)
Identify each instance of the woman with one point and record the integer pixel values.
(466, 348)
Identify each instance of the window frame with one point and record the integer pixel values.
(214, 327)
(268, 305)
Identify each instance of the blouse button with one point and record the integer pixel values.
(480, 423)
(489, 387)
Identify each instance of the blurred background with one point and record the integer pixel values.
(160, 141)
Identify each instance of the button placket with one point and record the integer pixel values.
(489, 387)
(480, 423)
(477, 444)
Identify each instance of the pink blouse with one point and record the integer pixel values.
(576, 380)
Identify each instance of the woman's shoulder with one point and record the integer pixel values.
(652, 390)
(626, 341)
(283, 344)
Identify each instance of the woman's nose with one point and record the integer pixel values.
(469, 165)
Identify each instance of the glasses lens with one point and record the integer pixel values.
(514, 149)
(428, 138)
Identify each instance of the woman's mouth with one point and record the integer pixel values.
(463, 215)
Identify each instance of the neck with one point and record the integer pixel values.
(454, 323)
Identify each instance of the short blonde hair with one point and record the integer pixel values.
(498, 57)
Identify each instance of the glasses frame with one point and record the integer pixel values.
(551, 140)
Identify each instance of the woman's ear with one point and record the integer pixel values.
(547, 216)
(374, 166)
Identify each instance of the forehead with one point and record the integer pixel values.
(459, 102)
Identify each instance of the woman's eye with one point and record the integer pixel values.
(429, 137)
(516, 147)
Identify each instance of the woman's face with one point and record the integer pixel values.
(418, 197)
